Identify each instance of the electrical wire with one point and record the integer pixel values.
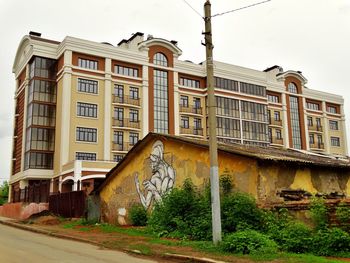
(234, 10)
(193, 9)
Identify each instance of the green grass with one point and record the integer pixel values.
(304, 258)
(80, 222)
(129, 231)
(71, 224)
(203, 246)
(164, 242)
(144, 249)
(85, 229)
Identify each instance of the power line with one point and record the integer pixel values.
(244, 7)
(193, 9)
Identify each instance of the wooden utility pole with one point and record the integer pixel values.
(213, 151)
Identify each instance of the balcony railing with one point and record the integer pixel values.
(275, 122)
(319, 145)
(275, 140)
(126, 123)
(191, 109)
(315, 128)
(123, 147)
(126, 100)
(192, 131)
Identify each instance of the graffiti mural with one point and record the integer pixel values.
(161, 181)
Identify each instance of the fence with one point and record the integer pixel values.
(71, 204)
(35, 193)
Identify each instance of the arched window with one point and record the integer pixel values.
(160, 59)
(292, 88)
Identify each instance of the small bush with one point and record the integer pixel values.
(330, 242)
(239, 211)
(296, 237)
(183, 213)
(274, 222)
(226, 185)
(319, 213)
(138, 215)
(248, 242)
(342, 213)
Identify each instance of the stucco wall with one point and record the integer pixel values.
(274, 177)
(21, 210)
(262, 179)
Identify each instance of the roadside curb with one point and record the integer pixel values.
(193, 259)
(48, 233)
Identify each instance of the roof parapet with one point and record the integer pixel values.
(132, 42)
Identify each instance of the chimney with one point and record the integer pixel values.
(35, 34)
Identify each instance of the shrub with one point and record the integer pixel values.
(226, 185)
(239, 211)
(319, 213)
(296, 237)
(273, 222)
(138, 215)
(330, 242)
(183, 213)
(342, 213)
(248, 242)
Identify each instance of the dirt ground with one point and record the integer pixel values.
(123, 242)
(150, 247)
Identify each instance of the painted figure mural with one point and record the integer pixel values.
(161, 181)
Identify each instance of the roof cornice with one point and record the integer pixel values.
(162, 42)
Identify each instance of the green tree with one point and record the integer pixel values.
(4, 192)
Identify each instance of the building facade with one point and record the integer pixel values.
(82, 105)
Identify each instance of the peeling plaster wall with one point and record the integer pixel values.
(274, 177)
(262, 179)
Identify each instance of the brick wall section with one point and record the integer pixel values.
(22, 77)
(19, 130)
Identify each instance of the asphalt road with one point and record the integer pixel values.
(20, 246)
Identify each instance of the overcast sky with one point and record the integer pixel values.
(312, 36)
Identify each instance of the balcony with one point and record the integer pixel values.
(42, 97)
(191, 131)
(319, 146)
(191, 109)
(275, 122)
(315, 128)
(275, 140)
(121, 147)
(126, 123)
(44, 121)
(126, 100)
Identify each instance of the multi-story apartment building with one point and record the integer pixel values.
(81, 105)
